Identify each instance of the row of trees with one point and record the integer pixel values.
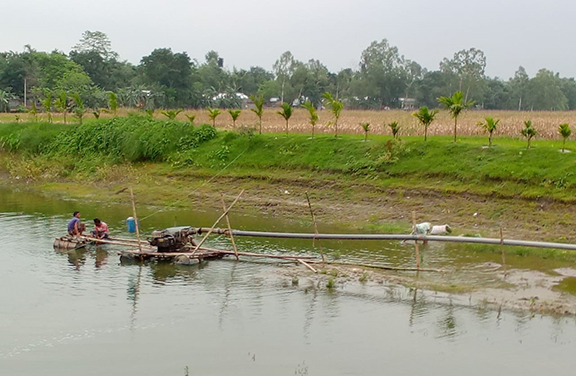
(384, 78)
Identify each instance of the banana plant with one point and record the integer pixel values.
(313, 114)
(286, 113)
(565, 132)
(489, 125)
(212, 114)
(234, 114)
(335, 107)
(455, 105)
(113, 103)
(425, 117)
(259, 110)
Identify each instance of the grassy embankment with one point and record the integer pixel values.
(373, 184)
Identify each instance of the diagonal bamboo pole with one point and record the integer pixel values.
(229, 227)
(315, 227)
(216, 223)
(417, 249)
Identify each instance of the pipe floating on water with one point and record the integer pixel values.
(431, 238)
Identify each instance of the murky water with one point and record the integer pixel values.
(83, 313)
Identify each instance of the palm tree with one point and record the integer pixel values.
(313, 115)
(528, 131)
(212, 114)
(425, 117)
(489, 126)
(395, 128)
(565, 132)
(336, 108)
(285, 113)
(191, 118)
(259, 111)
(366, 128)
(455, 105)
(47, 104)
(171, 114)
(234, 114)
(61, 104)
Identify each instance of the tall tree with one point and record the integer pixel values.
(468, 68)
(283, 69)
(455, 105)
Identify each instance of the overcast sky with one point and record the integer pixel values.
(532, 33)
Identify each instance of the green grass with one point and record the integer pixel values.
(506, 170)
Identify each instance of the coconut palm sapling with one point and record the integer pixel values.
(425, 117)
(489, 125)
(565, 132)
(313, 114)
(455, 105)
(286, 113)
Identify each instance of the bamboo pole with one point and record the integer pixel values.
(217, 221)
(307, 265)
(503, 252)
(136, 219)
(315, 227)
(128, 240)
(417, 248)
(113, 242)
(229, 227)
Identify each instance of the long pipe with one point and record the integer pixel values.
(434, 238)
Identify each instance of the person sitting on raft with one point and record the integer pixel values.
(75, 227)
(100, 229)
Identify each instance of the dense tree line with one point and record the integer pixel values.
(168, 79)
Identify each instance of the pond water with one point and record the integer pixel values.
(85, 313)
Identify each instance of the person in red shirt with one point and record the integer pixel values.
(100, 229)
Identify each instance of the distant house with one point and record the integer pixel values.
(408, 103)
(232, 99)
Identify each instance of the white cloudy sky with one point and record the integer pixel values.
(533, 33)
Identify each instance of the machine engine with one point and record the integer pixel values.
(172, 239)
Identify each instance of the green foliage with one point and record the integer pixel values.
(33, 111)
(395, 128)
(455, 105)
(313, 114)
(286, 113)
(565, 132)
(5, 97)
(47, 103)
(61, 104)
(489, 125)
(336, 107)
(171, 114)
(113, 103)
(212, 114)
(79, 110)
(425, 117)
(259, 110)
(528, 131)
(234, 114)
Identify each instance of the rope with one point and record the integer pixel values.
(202, 185)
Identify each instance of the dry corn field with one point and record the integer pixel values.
(511, 122)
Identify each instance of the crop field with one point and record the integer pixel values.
(545, 122)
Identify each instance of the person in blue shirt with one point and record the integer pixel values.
(75, 227)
